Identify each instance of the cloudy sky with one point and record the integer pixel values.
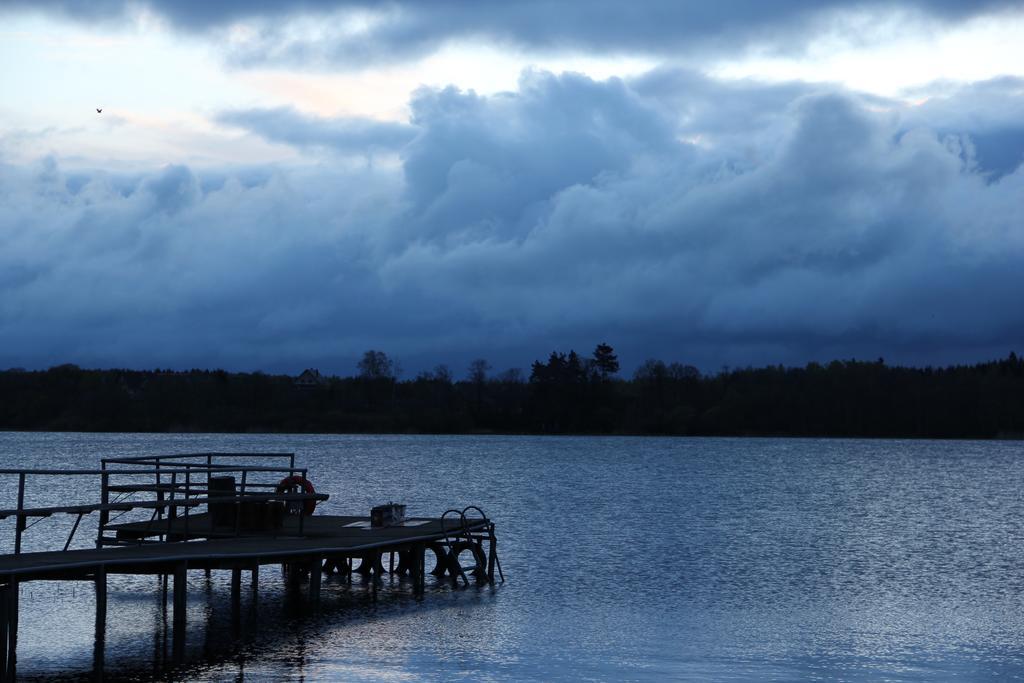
(278, 184)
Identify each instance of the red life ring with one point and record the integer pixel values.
(292, 484)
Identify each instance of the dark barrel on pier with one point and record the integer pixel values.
(222, 514)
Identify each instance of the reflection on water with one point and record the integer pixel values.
(273, 634)
(635, 559)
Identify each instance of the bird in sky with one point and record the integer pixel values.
(98, 110)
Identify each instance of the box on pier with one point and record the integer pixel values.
(391, 514)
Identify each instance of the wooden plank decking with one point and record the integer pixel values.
(323, 535)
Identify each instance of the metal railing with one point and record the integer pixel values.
(173, 483)
(471, 531)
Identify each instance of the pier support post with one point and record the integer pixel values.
(180, 605)
(236, 602)
(315, 574)
(236, 587)
(293, 575)
(100, 580)
(4, 593)
(11, 619)
(419, 567)
(180, 591)
(100, 642)
(255, 579)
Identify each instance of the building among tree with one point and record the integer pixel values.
(310, 377)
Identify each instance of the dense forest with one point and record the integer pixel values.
(565, 394)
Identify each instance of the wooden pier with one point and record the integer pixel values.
(209, 511)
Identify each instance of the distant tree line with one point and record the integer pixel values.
(565, 394)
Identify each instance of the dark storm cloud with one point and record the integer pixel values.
(672, 215)
(348, 136)
(407, 28)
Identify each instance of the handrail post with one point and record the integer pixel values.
(188, 486)
(159, 493)
(302, 510)
(19, 526)
(238, 505)
(159, 512)
(172, 509)
(104, 500)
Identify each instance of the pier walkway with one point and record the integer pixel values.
(335, 536)
(201, 517)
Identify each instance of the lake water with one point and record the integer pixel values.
(625, 559)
